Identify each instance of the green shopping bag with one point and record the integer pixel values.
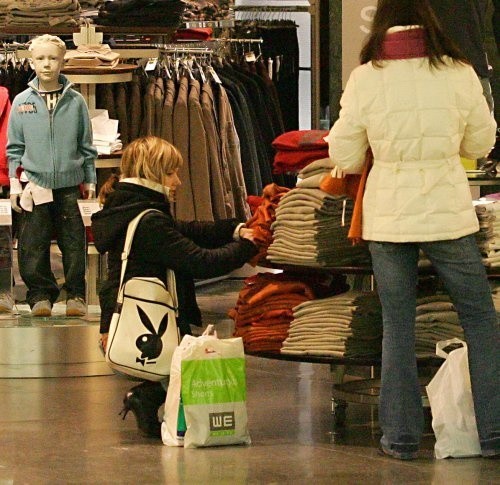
(207, 385)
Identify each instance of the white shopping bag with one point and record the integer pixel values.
(206, 397)
(450, 397)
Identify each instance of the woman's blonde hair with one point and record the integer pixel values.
(148, 157)
(48, 39)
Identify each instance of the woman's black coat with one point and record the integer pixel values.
(192, 249)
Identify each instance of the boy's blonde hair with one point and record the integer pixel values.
(150, 158)
(50, 39)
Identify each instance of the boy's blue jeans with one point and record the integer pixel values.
(458, 264)
(37, 229)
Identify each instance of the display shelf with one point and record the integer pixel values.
(109, 161)
(88, 78)
(105, 29)
(478, 177)
(357, 391)
(363, 391)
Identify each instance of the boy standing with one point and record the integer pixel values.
(50, 137)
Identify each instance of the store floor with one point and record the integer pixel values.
(68, 431)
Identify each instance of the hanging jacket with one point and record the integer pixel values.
(418, 122)
(55, 149)
(4, 119)
(196, 249)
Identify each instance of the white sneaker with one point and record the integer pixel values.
(42, 308)
(6, 303)
(75, 307)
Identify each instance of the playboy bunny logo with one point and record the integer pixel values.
(150, 344)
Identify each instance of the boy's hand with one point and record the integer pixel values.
(89, 191)
(14, 199)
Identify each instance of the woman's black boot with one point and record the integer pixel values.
(144, 401)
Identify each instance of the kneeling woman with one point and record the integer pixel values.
(195, 249)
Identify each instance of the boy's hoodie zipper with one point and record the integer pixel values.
(51, 121)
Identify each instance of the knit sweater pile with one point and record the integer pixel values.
(264, 308)
(488, 237)
(297, 149)
(311, 229)
(436, 320)
(43, 13)
(345, 325)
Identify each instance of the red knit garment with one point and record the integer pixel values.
(262, 218)
(301, 140)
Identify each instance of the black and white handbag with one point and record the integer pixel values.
(143, 333)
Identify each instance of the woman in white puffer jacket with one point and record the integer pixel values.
(419, 105)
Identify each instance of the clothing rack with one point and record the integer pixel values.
(241, 41)
(186, 49)
(272, 8)
(266, 12)
(12, 48)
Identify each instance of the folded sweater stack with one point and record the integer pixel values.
(436, 320)
(488, 237)
(297, 149)
(264, 308)
(43, 13)
(136, 13)
(345, 325)
(311, 230)
(91, 56)
(3, 11)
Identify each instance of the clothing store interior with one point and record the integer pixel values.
(248, 92)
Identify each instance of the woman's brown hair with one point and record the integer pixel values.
(390, 13)
(149, 158)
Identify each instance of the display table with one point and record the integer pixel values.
(358, 391)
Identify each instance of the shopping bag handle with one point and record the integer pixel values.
(442, 344)
(210, 330)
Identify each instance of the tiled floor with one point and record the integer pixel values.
(67, 431)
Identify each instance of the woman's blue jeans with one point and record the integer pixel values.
(459, 266)
(62, 218)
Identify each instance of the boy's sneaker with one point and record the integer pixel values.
(42, 308)
(6, 303)
(75, 307)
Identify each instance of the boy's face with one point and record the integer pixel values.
(47, 60)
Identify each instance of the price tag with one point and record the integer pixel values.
(250, 56)
(151, 64)
(5, 212)
(87, 208)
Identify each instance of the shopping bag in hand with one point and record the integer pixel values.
(206, 398)
(450, 397)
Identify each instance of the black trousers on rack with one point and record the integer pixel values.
(281, 40)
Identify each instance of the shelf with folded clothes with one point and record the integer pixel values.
(87, 78)
(111, 160)
(425, 268)
(331, 330)
(106, 29)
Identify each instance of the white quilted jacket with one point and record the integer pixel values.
(418, 122)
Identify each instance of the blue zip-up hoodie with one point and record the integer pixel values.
(55, 149)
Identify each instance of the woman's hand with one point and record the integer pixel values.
(103, 342)
(246, 233)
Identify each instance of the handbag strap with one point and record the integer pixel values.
(132, 226)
